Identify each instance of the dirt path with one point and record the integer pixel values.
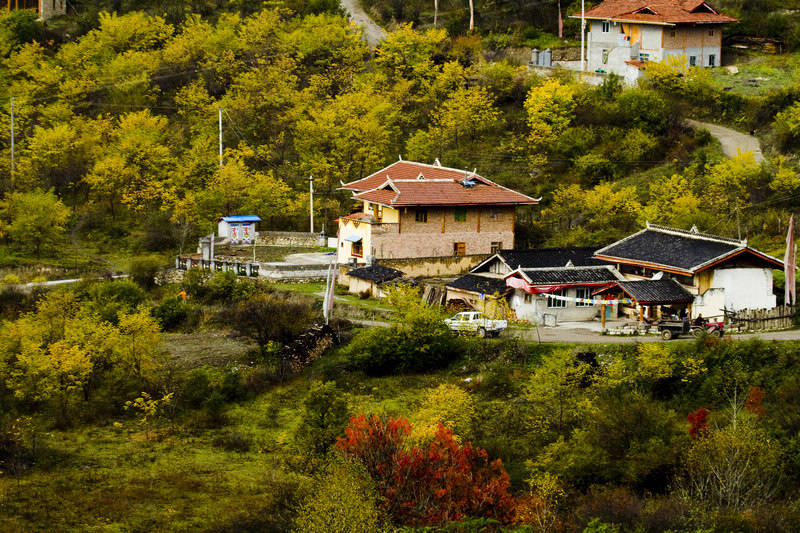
(732, 141)
(373, 33)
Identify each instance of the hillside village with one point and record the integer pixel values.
(370, 265)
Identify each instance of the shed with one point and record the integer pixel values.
(240, 229)
(371, 278)
(481, 292)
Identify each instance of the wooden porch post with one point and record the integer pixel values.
(603, 318)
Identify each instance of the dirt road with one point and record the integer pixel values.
(732, 141)
(373, 33)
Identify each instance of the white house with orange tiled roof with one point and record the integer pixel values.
(625, 34)
(414, 210)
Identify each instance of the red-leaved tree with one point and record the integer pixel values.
(432, 484)
(698, 423)
(755, 401)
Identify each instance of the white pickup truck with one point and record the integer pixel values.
(475, 322)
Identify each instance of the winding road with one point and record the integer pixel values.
(732, 141)
(373, 33)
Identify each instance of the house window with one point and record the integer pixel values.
(357, 249)
(644, 57)
(496, 246)
(605, 56)
(692, 61)
(712, 59)
(459, 248)
(711, 33)
(379, 212)
(583, 292)
(495, 215)
(461, 214)
(606, 27)
(421, 215)
(673, 33)
(528, 298)
(554, 303)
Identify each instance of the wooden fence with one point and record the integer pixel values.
(761, 319)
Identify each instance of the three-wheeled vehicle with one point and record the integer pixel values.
(670, 329)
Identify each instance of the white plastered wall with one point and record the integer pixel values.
(736, 289)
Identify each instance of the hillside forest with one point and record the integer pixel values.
(214, 404)
(116, 132)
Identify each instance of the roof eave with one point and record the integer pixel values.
(656, 266)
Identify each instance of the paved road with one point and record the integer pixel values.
(373, 33)
(586, 336)
(732, 141)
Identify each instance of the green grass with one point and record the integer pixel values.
(108, 477)
(760, 75)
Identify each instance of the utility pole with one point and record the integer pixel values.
(220, 137)
(583, 28)
(738, 225)
(311, 200)
(13, 163)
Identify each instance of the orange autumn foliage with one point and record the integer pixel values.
(432, 484)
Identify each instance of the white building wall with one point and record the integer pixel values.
(537, 308)
(745, 288)
(651, 41)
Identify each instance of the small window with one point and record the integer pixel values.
(644, 57)
(555, 303)
(460, 214)
(712, 60)
(711, 33)
(357, 249)
(379, 212)
(421, 215)
(673, 33)
(605, 56)
(495, 215)
(606, 27)
(692, 61)
(583, 292)
(528, 298)
(459, 249)
(496, 246)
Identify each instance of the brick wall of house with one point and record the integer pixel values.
(437, 236)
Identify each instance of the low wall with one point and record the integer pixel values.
(424, 267)
(292, 238)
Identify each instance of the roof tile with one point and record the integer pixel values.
(666, 12)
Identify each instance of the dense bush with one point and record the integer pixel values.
(111, 298)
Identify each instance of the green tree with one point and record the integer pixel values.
(323, 419)
(34, 219)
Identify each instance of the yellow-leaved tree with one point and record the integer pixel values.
(550, 108)
(448, 405)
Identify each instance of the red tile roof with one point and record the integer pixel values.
(658, 12)
(358, 216)
(406, 183)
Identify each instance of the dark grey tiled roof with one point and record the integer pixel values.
(570, 275)
(671, 248)
(483, 284)
(656, 291)
(375, 273)
(546, 258)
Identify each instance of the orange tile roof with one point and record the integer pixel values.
(357, 216)
(405, 170)
(658, 12)
(406, 183)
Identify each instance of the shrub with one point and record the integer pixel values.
(171, 313)
(436, 483)
(144, 269)
(111, 298)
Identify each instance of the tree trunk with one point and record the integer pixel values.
(471, 15)
(435, 11)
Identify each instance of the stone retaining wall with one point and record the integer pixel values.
(292, 238)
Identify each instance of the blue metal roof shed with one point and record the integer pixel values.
(241, 218)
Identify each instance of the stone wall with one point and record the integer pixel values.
(292, 238)
(424, 267)
(52, 8)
